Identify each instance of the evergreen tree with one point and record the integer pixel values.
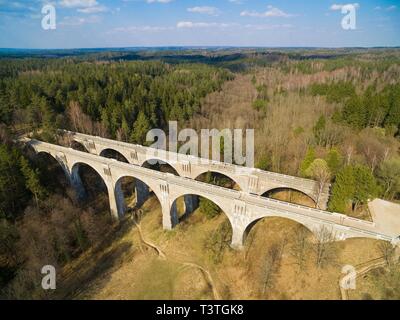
(334, 160)
(354, 112)
(308, 159)
(12, 183)
(342, 190)
(319, 128)
(354, 185)
(32, 180)
(140, 129)
(365, 185)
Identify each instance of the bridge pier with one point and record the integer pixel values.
(170, 216)
(191, 203)
(237, 238)
(120, 201)
(77, 185)
(115, 205)
(142, 193)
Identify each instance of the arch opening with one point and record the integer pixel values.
(218, 179)
(52, 173)
(78, 146)
(89, 185)
(260, 232)
(193, 207)
(113, 154)
(290, 195)
(132, 194)
(159, 165)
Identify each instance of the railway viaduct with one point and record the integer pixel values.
(251, 180)
(243, 209)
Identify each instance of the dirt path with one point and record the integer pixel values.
(362, 270)
(206, 274)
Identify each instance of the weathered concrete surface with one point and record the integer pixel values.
(251, 180)
(386, 215)
(242, 209)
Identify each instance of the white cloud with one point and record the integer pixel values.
(78, 3)
(253, 27)
(391, 8)
(190, 25)
(159, 1)
(96, 9)
(84, 6)
(134, 29)
(268, 26)
(335, 7)
(77, 21)
(205, 10)
(271, 12)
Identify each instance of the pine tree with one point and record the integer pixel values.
(12, 183)
(32, 180)
(140, 129)
(319, 128)
(365, 185)
(308, 159)
(343, 190)
(334, 160)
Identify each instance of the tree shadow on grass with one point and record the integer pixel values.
(82, 278)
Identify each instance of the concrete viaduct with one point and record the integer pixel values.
(243, 209)
(251, 180)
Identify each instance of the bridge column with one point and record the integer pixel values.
(142, 193)
(169, 211)
(191, 203)
(115, 194)
(120, 200)
(113, 200)
(77, 184)
(237, 238)
(239, 221)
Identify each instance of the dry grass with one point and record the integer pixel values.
(127, 269)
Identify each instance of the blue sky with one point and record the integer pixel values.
(129, 23)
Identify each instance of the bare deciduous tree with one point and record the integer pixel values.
(324, 248)
(387, 250)
(300, 247)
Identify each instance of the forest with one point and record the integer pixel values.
(329, 115)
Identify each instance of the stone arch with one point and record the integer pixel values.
(251, 225)
(221, 174)
(309, 200)
(113, 154)
(76, 179)
(186, 207)
(225, 209)
(79, 146)
(161, 165)
(143, 190)
(58, 161)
